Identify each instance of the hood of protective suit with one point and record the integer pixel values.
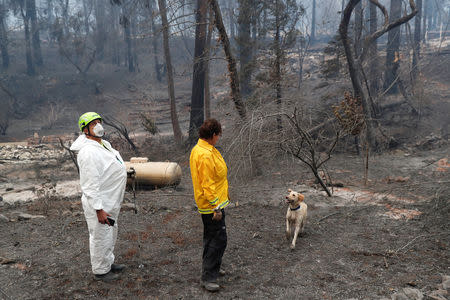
(82, 141)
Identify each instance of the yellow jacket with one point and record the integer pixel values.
(209, 177)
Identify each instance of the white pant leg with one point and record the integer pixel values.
(102, 239)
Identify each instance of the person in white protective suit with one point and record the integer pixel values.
(103, 178)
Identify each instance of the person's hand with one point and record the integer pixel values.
(102, 216)
(217, 216)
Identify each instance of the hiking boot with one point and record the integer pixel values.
(117, 268)
(210, 286)
(110, 276)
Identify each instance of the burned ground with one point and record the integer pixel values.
(367, 243)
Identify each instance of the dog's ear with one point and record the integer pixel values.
(300, 197)
(289, 190)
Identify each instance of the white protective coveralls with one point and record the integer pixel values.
(103, 178)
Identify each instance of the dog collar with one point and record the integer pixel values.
(296, 208)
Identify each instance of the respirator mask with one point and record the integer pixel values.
(98, 130)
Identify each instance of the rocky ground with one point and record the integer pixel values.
(388, 239)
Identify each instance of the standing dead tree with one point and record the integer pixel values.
(73, 155)
(355, 62)
(198, 76)
(122, 130)
(314, 150)
(170, 82)
(255, 143)
(82, 70)
(234, 79)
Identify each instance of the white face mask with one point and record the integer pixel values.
(98, 130)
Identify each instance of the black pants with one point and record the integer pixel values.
(214, 244)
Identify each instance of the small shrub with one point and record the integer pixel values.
(148, 123)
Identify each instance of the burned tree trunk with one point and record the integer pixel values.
(115, 34)
(230, 9)
(373, 52)
(358, 28)
(234, 82)
(313, 22)
(122, 130)
(28, 50)
(198, 78)
(355, 63)
(424, 19)
(125, 21)
(100, 30)
(3, 38)
(277, 64)
(392, 51)
(417, 39)
(37, 54)
(207, 57)
(173, 110)
(155, 38)
(87, 7)
(245, 46)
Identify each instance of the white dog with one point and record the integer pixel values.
(295, 216)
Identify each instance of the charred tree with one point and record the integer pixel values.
(170, 83)
(64, 5)
(373, 52)
(278, 58)
(245, 46)
(232, 70)
(198, 78)
(122, 130)
(87, 7)
(50, 21)
(308, 147)
(125, 21)
(133, 28)
(207, 57)
(4, 37)
(355, 62)
(358, 28)
(231, 21)
(392, 50)
(424, 19)
(36, 41)
(417, 40)
(155, 39)
(100, 29)
(313, 22)
(114, 17)
(284, 15)
(24, 11)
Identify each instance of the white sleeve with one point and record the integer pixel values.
(90, 178)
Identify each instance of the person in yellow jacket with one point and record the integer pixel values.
(209, 179)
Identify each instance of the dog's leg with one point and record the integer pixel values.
(303, 225)
(294, 240)
(288, 231)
